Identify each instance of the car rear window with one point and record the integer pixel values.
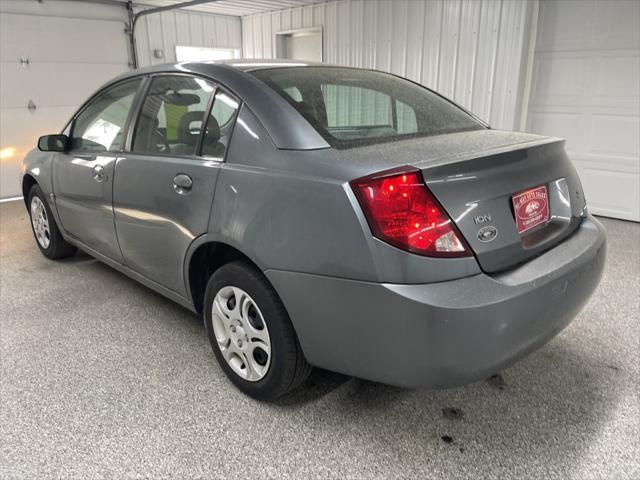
(351, 107)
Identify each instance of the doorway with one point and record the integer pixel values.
(303, 44)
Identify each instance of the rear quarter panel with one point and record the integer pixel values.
(295, 211)
(284, 219)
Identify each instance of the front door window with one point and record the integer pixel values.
(100, 126)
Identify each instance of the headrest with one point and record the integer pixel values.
(181, 99)
(212, 133)
(187, 131)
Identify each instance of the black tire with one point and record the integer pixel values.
(288, 367)
(58, 247)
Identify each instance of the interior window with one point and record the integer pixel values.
(219, 125)
(171, 117)
(350, 107)
(406, 118)
(100, 126)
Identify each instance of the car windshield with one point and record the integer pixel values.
(352, 107)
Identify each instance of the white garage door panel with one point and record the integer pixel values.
(559, 78)
(23, 127)
(20, 85)
(611, 193)
(578, 25)
(615, 134)
(619, 75)
(586, 88)
(20, 130)
(571, 126)
(69, 58)
(59, 39)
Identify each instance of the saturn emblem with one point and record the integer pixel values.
(488, 233)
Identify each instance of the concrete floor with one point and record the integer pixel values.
(101, 377)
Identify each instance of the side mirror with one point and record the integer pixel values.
(53, 143)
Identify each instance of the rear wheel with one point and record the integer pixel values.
(46, 232)
(251, 334)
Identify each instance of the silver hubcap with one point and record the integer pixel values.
(241, 333)
(40, 222)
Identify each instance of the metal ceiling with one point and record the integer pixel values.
(231, 7)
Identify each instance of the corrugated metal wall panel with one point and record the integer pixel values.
(469, 50)
(163, 31)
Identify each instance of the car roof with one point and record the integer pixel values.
(241, 65)
(287, 128)
(252, 64)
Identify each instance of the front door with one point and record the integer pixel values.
(83, 176)
(164, 186)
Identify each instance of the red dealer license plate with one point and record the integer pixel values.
(531, 208)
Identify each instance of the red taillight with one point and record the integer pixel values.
(402, 211)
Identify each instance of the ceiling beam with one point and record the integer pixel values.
(134, 17)
(175, 6)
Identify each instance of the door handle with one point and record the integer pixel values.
(182, 184)
(98, 174)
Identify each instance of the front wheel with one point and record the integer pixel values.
(46, 232)
(251, 334)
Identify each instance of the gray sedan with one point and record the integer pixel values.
(315, 215)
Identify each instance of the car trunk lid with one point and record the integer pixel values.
(475, 176)
(509, 202)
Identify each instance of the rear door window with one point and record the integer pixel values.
(220, 125)
(172, 114)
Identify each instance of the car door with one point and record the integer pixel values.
(83, 176)
(164, 184)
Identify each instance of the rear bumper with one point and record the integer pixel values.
(442, 334)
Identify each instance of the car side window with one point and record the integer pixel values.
(100, 125)
(172, 114)
(219, 125)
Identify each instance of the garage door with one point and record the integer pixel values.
(68, 58)
(586, 88)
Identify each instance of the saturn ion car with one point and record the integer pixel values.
(323, 216)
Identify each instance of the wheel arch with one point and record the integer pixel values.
(205, 257)
(28, 181)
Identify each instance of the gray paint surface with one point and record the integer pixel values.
(103, 378)
(442, 334)
(84, 206)
(146, 207)
(283, 199)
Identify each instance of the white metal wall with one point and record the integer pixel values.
(586, 88)
(471, 51)
(163, 31)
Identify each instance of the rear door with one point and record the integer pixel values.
(164, 184)
(83, 176)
